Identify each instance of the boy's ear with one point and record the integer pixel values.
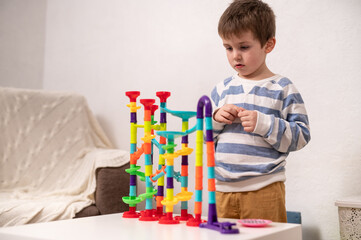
(270, 44)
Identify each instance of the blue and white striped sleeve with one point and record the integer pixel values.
(291, 131)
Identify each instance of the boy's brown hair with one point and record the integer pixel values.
(248, 15)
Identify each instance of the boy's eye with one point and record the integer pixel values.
(244, 47)
(228, 49)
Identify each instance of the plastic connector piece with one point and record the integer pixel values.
(185, 216)
(163, 96)
(132, 95)
(196, 221)
(131, 213)
(153, 109)
(147, 215)
(147, 103)
(168, 219)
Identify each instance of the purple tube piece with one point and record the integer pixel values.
(160, 191)
(222, 227)
(163, 117)
(184, 160)
(212, 223)
(212, 213)
(185, 139)
(170, 182)
(209, 135)
(204, 101)
(133, 180)
(133, 117)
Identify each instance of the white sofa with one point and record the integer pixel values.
(51, 147)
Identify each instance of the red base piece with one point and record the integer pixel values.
(194, 222)
(131, 213)
(168, 219)
(159, 212)
(184, 215)
(147, 215)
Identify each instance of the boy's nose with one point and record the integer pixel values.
(236, 55)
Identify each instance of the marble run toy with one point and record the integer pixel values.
(165, 172)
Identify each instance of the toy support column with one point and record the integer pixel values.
(212, 223)
(147, 215)
(185, 216)
(170, 200)
(153, 122)
(196, 221)
(163, 96)
(133, 147)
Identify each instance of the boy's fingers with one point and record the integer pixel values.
(233, 110)
(223, 116)
(242, 113)
(246, 124)
(248, 129)
(226, 120)
(241, 109)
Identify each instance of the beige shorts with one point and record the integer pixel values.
(266, 203)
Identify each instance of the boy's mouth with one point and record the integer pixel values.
(239, 66)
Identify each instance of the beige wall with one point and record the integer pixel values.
(22, 43)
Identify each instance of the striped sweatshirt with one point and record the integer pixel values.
(250, 161)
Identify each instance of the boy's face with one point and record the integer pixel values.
(247, 57)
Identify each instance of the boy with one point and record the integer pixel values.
(259, 117)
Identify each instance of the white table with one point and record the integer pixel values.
(114, 226)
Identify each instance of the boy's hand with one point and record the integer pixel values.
(248, 119)
(226, 114)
